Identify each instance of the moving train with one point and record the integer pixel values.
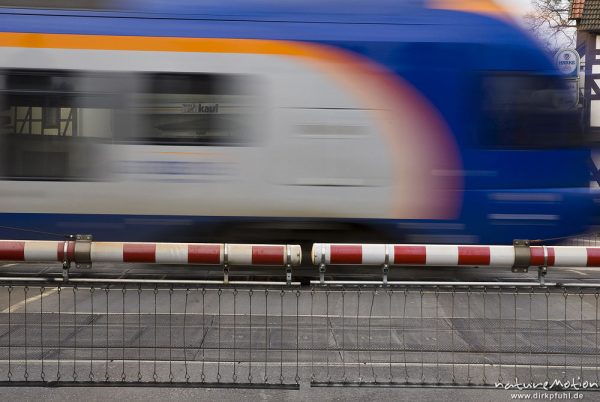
(429, 121)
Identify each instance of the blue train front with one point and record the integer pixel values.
(426, 122)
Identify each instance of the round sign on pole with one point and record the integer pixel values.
(567, 61)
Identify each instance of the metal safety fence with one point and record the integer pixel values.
(97, 333)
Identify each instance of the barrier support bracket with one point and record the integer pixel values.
(385, 269)
(322, 268)
(225, 274)
(522, 256)
(542, 271)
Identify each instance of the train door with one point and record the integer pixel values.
(191, 144)
(328, 156)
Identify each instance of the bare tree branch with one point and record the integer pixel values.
(549, 22)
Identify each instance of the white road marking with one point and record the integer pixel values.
(29, 300)
(8, 265)
(575, 271)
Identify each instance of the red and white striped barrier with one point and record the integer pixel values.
(449, 255)
(159, 253)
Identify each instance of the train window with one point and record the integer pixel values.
(527, 111)
(192, 109)
(52, 121)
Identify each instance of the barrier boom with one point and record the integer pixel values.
(516, 256)
(84, 251)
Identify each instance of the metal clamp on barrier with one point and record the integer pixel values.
(522, 256)
(226, 263)
(81, 253)
(386, 265)
(543, 269)
(66, 262)
(288, 265)
(322, 265)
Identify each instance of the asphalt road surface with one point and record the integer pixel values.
(190, 334)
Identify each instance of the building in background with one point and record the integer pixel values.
(587, 15)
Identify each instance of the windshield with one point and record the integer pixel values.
(526, 111)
